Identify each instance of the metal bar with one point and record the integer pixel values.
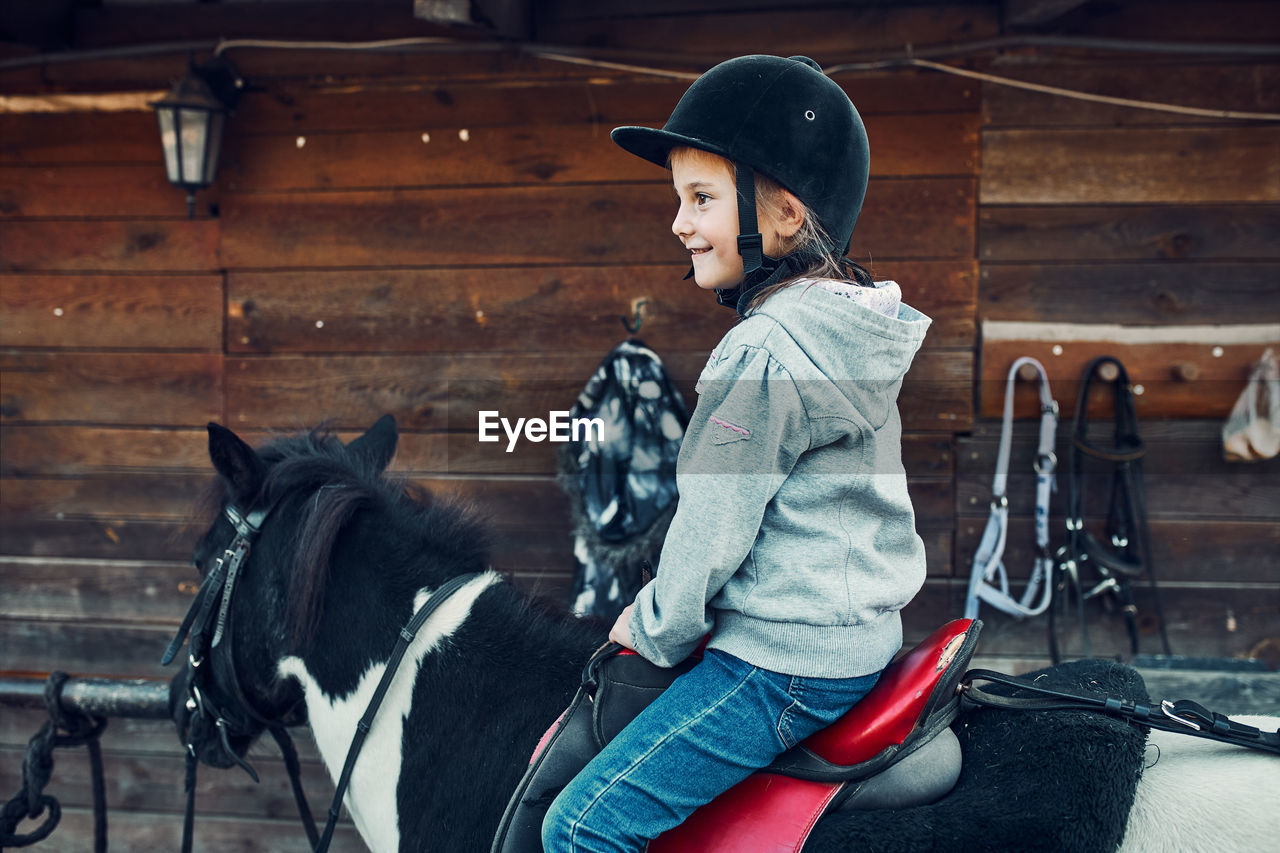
(107, 697)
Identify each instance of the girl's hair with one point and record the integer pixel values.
(810, 239)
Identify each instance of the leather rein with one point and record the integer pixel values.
(204, 633)
(1180, 717)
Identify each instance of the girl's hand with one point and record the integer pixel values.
(621, 631)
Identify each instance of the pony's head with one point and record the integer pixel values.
(263, 564)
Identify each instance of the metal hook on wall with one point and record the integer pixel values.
(632, 323)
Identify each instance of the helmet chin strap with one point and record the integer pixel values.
(758, 269)
(750, 242)
(770, 271)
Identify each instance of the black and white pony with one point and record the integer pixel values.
(344, 558)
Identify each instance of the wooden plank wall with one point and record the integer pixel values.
(432, 234)
(1094, 214)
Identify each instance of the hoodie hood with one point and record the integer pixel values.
(861, 339)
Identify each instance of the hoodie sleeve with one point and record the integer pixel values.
(745, 435)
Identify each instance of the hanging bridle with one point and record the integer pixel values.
(1127, 554)
(207, 633)
(988, 562)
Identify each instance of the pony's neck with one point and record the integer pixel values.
(481, 703)
(371, 797)
(483, 679)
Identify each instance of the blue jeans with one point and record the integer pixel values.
(711, 729)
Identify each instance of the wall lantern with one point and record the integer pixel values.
(191, 119)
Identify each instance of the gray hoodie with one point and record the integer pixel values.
(794, 540)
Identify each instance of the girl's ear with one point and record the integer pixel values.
(378, 445)
(790, 216)
(236, 461)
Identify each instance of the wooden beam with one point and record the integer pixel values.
(471, 309)
(903, 219)
(111, 102)
(112, 311)
(826, 34)
(508, 18)
(1033, 13)
(1128, 232)
(47, 25)
(1163, 165)
(1176, 371)
(1136, 294)
(446, 391)
(127, 388)
(1205, 85)
(1251, 333)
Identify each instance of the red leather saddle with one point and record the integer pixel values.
(776, 808)
(905, 718)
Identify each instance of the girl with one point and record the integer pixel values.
(794, 540)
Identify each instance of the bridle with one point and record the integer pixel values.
(204, 633)
(988, 561)
(1127, 554)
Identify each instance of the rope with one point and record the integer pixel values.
(1090, 96)
(37, 769)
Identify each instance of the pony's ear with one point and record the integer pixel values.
(378, 445)
(236, 461)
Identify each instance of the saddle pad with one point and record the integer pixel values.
(1031, 780)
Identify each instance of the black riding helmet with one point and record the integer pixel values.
(785, 119)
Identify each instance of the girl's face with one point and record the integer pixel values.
(707, 221)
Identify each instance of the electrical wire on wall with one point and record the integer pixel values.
(922, 58)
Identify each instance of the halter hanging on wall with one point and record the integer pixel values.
(988, 562)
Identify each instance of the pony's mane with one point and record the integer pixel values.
(335, 485)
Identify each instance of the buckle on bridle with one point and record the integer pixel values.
(1046, 462)
(1104, 586)
(1167, 707)
(195, 702)
(221, 725)
(246, 524)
